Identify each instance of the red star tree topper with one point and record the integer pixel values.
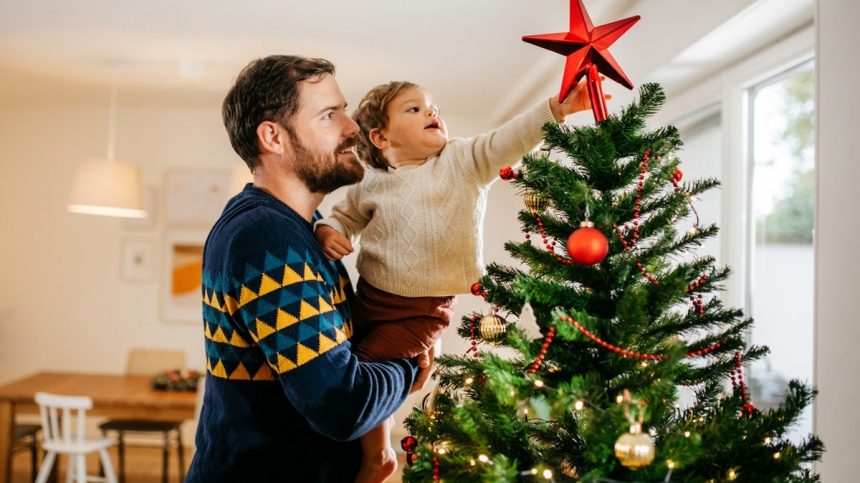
(587, 50)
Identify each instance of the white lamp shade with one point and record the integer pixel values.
(108, 188)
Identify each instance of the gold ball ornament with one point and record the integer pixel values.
(492, 328)
(635, 449)
(535, 202)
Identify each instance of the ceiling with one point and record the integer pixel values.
(468, 53)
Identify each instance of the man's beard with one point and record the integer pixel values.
(323, 173)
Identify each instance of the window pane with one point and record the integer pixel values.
(781, 254)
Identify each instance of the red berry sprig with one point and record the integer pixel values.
(408, 444)
(508, 173)
(543, 348)
(628, 353)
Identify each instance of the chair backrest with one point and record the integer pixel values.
(64, 418)
(146, 362)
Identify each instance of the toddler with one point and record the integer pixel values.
(420, 215)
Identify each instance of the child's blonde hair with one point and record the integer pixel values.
(372, 113)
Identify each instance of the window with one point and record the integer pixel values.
(779, 268)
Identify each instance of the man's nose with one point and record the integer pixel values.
(351, 127)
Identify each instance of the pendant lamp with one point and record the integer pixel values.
(108, 187)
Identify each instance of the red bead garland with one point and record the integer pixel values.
(550, 247)
(474, 348)
(630, 245)
(543, 348)
(738, 383)
(696, 299)
(628, 353)
(436, 476)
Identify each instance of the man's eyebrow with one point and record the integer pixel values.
(332, 108)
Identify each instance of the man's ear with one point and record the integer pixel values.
(378, 139)
(271, 138)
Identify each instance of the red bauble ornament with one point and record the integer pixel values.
(477, 289)
(585, 46)
(677, 175)
(507, 173)
(587, 245)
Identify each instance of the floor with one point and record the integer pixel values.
(143, 465)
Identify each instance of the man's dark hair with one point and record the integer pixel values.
(267, 89)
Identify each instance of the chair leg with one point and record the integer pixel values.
(181, 455)
(34, 457)
(47, 465)
(107, 466)
(120, 448)
(165, 457)
(71, 462)
(81, 466)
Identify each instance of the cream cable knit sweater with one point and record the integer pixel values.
(421, 227)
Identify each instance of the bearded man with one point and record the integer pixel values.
(285, 399)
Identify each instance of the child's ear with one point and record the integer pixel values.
(271, 138)
(378, 138)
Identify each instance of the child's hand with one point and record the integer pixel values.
(577, 101)
(333, 243)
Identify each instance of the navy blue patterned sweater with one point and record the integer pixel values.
(285, 398)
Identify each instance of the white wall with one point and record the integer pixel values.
(63, 302)
(837, 261)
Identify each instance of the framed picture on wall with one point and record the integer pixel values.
(182, 276)
(137, 260)
(194, 197)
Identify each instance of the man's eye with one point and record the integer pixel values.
(327, 116)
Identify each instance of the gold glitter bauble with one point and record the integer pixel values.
(535, 202)
(492, 328)
(635, 449)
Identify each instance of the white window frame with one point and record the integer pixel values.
(728, 92)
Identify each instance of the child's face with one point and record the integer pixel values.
(415, 131)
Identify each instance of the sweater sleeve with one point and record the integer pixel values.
(485, 154)
(348, 216)
(295, 308)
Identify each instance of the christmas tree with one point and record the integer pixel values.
(625, 314)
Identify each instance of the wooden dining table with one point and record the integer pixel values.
(114, 396)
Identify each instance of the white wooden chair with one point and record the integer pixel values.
(147, 362)
(64, 420)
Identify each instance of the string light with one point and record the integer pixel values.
(670, 464)
(547, 474)
(619, 399)
(776, 455)
(469, 381)
(578, 405)
(732, 475)
(686, 434)
(767, 440)
(538, 383)
(483, 458)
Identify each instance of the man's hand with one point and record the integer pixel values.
(576, 101)
(333, 243)
(427, 362)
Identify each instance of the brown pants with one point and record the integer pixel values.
(389, 326)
